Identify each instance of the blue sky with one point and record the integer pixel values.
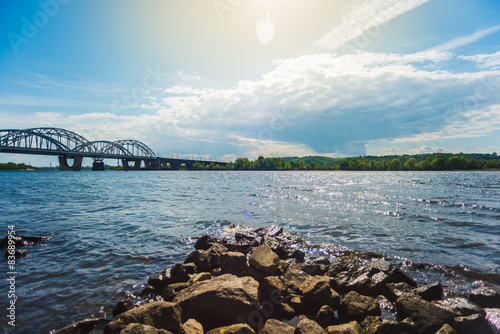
(232, 78)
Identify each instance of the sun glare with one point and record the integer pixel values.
(265, 30)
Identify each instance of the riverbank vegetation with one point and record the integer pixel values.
(14, 166)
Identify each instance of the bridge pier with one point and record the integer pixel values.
(127, 167)
(76, 166)
(98, 165)
(152, 164)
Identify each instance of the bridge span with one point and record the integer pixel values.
(70, 146)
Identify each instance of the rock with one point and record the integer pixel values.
(123, 306)
(191, 268)
(171, 291)
(460, 307)
(350, 328)
(205, 241)
(430, 292)
(160, 282)
(143, 329)
(326, 317)
(493, 316)
(203, 276)
(422, 312)
(191, 326)
(486, 296)
(375, 325)
(274, 326)
(311, 269)
(223, 300)
(316, 290)
(269, 231)
(396, 290)
(233, 329)
(307, 326)
(238, 236)
(234, 263)
(264, 259)
(178, 273)
(397, 276)
(17, 253)
(201, 258)
(472, 324)
(82, 326)
(446, 329)
(296, 254)
(357, 307)
(162, 315)
(297, 304)
(273, 289)
(293, 278)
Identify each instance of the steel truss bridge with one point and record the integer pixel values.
(68, 145)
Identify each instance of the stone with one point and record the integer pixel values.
(398, 276)
(430, 292)
(396, 290)
(221, 301)
(493, 316)
(201, 258)
(375, 325)
(486, 296)
(123, 306)
(82, 326)
(191, 268)
(272, 288)
(326, 317)
(162, 315)
(307, 326)
(273, 326)
(203, 276)
(460, 307)
(205, 241)
(356, 307)
(178, 273)
(293, 278)
(171, 291)
(350, 328)
(159, 282)
(446, 329)
(296, 254)
(269, 231)
(234, 263)
(143, 329)
(191, 326)
(264, 259)
(422, 312)
(297, 304)
(233, 329)
(316, 290)
(472, 324)
(311, 269)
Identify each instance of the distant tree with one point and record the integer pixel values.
(411, 164)
(313, 165)
(302, 165)
(344, 164)
(395, 164)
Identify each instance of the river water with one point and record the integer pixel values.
(114, 229)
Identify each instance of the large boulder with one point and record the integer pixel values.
(221, 301)
(317, 291)
(460, 307)
(235, 263)
(233, 329)
(356, 307)
(293, 278)
(326, 317)
(191, 326)
(274, 326)
(264, 259)
(472, 324)
(486, 296)
(350, 328)
(430, 292)
(426, 315)
(307, 326)
(162, 315)
(143, 329)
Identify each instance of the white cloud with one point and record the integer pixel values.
(461, 41)
(489, 61)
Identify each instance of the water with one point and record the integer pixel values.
(114, 229)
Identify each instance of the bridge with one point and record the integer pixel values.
(71, 148)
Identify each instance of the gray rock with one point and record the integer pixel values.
(235, 263)
(307, 326)
(191, 326)
(472, 324)
(162, 315)
(427, 316)
(486, 296)
(356, 307)
(350, 328)
(221, 301)
(143, 329)
(396, 290)
(460, 307)
(274, 326)
(264, 259)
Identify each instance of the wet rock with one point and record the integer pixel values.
(307, 326)
(493, 316)
(311, 269)
(323, 263)
(191, 326)
(446, 329)
(326, 317)
(162, 315)
(350, 328)
(178, 273)
(486, 296)
(460, 307)
(221, 301)
(159, 282)
(317, 291)
(171, 290)
(234, 263)
(296, 254)
(233, 329)
(422, 312)
(264, 259)
(273, 326)
(123, 306)
(239, 236)
(430, 292)
(356, 307)
(22, 240)
(205, 241)
(472, 324)
(396, 290)
(82, 326)
(269, 231)
(143, 329)
(398, 276)
(293, 278)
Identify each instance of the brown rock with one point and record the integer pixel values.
(274, 326)
(293, 278)
(307, 326)
(317, 290)
(234, 263)
(326, 317)
(357, 307)
(264, 259)
(486, 296)
(191, 327)
(446, 329)
(123, 306)
(143, 329)
(350, 328)
(233, 329)
(430, 292)
(162, 315)
(472, 324)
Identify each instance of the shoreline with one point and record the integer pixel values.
(261, 281)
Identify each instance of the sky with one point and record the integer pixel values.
(222, 79)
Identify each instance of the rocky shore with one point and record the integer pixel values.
(261, 282)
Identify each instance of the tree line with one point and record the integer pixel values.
(14, 166)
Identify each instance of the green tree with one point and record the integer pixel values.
(411, 164)
(395, 164)
(302, 165)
